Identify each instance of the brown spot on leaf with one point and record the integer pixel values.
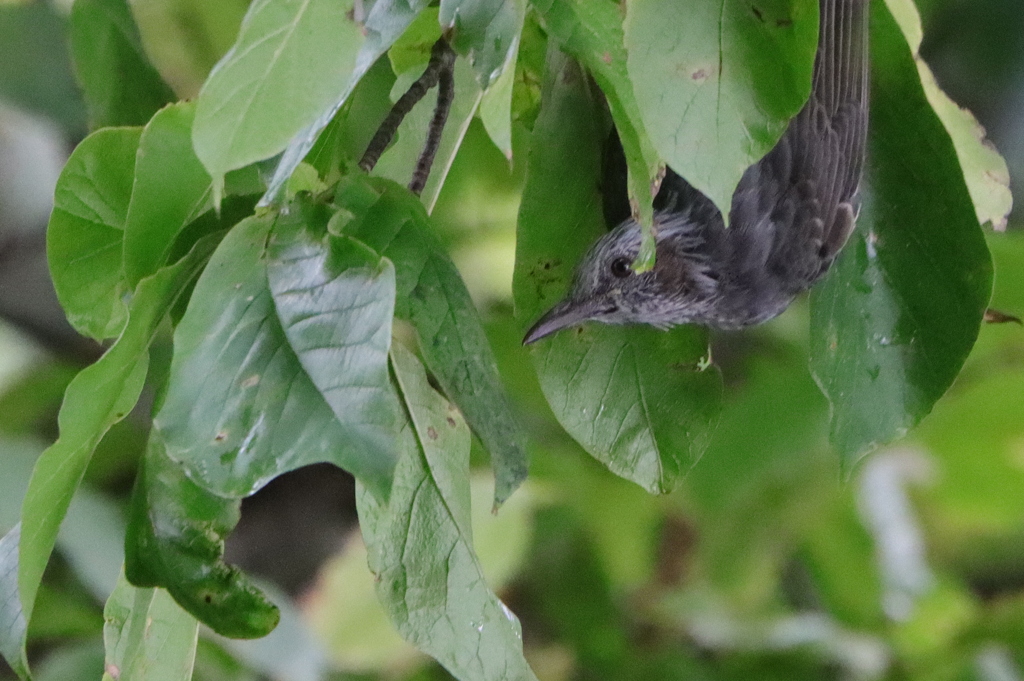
(997, 317)
(220, 437)
(757, 13)
(451, 421)
(606, 57)
(700, 74)
(783, 23)
(431, 433)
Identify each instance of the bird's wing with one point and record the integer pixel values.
(796, 207)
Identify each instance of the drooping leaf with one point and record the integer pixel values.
(147, 636)
(239, 408)
(171, 188)
(421, 548)
(642, 402)
(592, 33)
(175, 540)
(121, 86)
(99, 396)
(496, 103)
(716, 90)
(13, 627)
(485, 31)
(387, 20)
(274, 81)
(335, 299)
(432, 295)
(988, 178)
(895, 319)
(83, 239)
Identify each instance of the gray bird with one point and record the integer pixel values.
(791, 214)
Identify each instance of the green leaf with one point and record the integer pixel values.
(717, 90)
(335, 299)
(896, 317)
(432, 295)
(13, 628)
(83, 240)
(147, 636)
(171, 189)
(496, 104)
(642, 402)
(988, 178)
(272, 83)
(121, 86)
(592, 33)
(239, 408)
(485, 31)
(421, 547)
(175, 540)
(298, 62)
(99, 396)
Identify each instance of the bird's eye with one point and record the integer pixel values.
(620, 268)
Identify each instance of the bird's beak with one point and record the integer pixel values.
(563, 315)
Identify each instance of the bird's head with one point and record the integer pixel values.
(681, 288)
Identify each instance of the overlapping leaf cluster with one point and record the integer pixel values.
(238, 221)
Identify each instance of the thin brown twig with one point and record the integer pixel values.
(445, 96)
(441, 58)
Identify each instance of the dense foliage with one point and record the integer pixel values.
(264, 305)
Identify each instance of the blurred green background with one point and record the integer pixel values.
(762, 565)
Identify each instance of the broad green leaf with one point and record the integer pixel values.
(485, 31)
(13, 627)
(642, 402)
(121, 86)
(398, 162)
(185, 38)
(99, 396)
(298, 61)
(496, 103)
(171, 188)
(175, 540)
(421, 547)
(344, 611)
(147, 636)
(273, 81)
(716, 90)
(335, 299)
(591, 31)
(896, 317)
(239, 408)
(83, 239)
(432, 295)
(988, 178)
